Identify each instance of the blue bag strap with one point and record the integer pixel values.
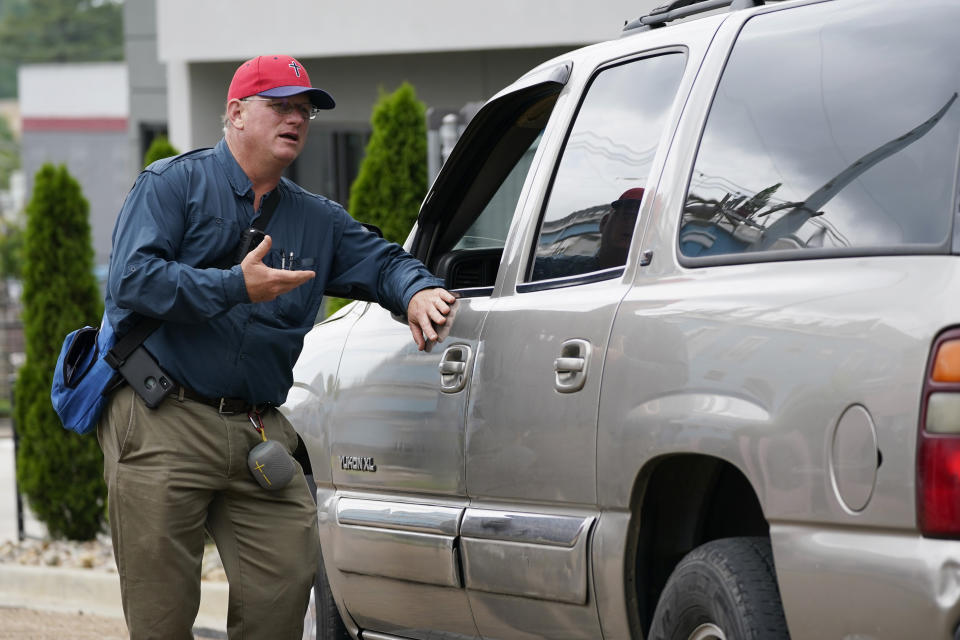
(126, 345)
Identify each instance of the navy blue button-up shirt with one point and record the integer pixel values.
(184, 215)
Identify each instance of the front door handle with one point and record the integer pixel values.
(453, 368)
(570, 368)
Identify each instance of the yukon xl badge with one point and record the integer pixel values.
(357, 463)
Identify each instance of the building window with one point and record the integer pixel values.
(330, 162)
(149, 131)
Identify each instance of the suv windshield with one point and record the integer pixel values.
(834, 130)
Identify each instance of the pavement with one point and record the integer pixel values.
(45, 598)
(93, 593)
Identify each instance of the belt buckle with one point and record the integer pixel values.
(231, 406)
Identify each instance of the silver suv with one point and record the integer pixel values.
(703, 378)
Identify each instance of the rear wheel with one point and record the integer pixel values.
(722, 590)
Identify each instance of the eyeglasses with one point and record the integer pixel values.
(285, 107)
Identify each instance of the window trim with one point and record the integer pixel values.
(526, 285)
(569, 281)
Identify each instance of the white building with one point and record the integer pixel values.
(182, 55)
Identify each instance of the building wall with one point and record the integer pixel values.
(98, 160)
(453, 54)
(148, 78)
(88, 134)
(229, 30)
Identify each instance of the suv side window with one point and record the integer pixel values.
(489, 230)
(591, 211)
(464, 221)
(832, 132)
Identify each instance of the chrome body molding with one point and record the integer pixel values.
(403, 555)
(397, 540)
(402, 516)
(373, 635)
(530, 555)
(530, 570)
(511, 526)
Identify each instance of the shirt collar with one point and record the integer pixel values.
(238, 179)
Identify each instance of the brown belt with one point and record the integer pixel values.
(227, 406)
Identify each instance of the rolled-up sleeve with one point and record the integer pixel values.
(366, 266)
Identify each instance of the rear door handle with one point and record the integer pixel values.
(453, 368)
(570, 369)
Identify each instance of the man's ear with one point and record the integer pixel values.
(235, 114)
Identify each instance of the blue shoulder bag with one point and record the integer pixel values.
(84, 377)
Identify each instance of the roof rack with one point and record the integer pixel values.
(683, 8)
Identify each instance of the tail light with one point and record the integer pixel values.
(938, 446)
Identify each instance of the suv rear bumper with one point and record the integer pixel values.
(853, 583)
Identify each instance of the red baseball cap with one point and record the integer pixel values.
(276, 77)
(630, 197)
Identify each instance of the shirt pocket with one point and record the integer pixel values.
(209, 241)
(294, 306)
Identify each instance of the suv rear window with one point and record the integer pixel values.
(834, 130)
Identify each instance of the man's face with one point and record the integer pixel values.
(277, 126)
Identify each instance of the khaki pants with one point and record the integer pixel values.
(175, 470)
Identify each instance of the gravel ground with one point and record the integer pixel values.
(20, 624)
(96, 555)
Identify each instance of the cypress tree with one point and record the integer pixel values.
(392, 180)
(58, 471)
(159, 149)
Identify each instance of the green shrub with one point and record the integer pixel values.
(159, 149)
(392, 180)
(58, 471)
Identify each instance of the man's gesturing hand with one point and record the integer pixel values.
(427, 308)
(265, 283)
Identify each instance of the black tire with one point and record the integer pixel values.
(722, 590)
(329, 624)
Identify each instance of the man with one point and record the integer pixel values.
(229, 338)
(616, 234)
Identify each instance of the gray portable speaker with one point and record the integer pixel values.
(271, 465)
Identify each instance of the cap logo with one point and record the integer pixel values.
(295, 67)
